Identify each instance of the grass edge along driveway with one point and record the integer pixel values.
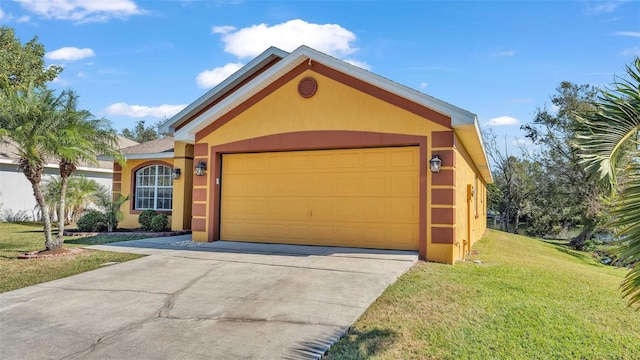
(527, 300)
(19, 238)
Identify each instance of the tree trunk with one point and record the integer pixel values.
(507, 216)
(61, 207)
(49, 242)
(33, 173)
(586, 233)
(66, 169)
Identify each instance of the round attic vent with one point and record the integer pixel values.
(307, 87)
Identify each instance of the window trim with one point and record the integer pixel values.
(132, 192)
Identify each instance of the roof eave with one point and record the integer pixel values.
(253, 66)
(471, 138)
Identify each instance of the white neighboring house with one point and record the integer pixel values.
(16, 193)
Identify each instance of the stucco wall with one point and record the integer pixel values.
(16, 193)
(335, 106)
(122, 184)
(471, 220)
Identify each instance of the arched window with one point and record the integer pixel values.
(154, 188)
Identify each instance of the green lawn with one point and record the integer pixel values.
(527, 300)
(17, 239)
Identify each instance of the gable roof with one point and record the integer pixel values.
(274, 63)
(156, 149)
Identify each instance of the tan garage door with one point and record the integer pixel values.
(356, 197)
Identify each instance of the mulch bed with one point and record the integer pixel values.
(51, 254)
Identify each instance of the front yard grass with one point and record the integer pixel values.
(527, 300)
(17, 239)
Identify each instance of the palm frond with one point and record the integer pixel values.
(626, 217)
(615, 124)
(608, 144)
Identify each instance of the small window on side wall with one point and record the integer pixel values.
(154, 188)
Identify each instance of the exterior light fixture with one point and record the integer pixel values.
(201, 168)
(435, 164)
(175, 174)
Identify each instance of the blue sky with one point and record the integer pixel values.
(145, 60)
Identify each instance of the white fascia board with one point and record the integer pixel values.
(169, 126)
(458, 115)
(56, 166)
(188, 132)
(162, 155)
(481, 161)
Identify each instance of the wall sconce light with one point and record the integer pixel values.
(435, 164)
(201, 168)
(175, 174)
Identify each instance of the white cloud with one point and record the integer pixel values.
(251, 41)
(138, 111)
(360, 64)
(213, 77)
(69, 54)
(61, 81)
(605, 7)
(627, 33)
(503, 121)
(423, 85)
(631, 51)
(81, 75)
(223, 29)
(82, 10)
(9, 17)
(505, 53)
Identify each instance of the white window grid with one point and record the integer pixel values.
(154, 188)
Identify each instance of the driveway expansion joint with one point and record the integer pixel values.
(166, 306)
(280, 265)
(105, 290)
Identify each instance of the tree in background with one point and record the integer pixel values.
(608, 139)
(565, 199)
(140, 133)
(514, 183)
(21, 65)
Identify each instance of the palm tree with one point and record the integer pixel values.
(82, 138)
(81, 193)
(30, 120)
(609, 147)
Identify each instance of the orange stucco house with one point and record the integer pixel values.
(303, 148)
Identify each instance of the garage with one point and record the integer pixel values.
(367, 197)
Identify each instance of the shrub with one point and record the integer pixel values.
(145, 218)
(159, 222)
(92, 221)
(9, 216)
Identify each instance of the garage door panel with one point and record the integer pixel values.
(402, 158)
(404, 184)
(349, 160)
(356, 197)
(299, 161)
(375, 159)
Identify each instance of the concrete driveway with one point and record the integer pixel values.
(222, 300)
